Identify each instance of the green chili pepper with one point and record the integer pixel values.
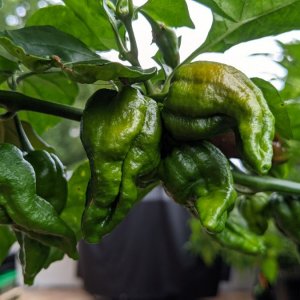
(7, 238)
(286, 213)
(204, 96)
(29, 212)
(51, 185)
(254, 209)
(199, 177)
(121, 135)
(239, 238)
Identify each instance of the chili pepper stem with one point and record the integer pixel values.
(266, 183)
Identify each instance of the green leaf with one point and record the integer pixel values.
(79, 26)
(55, 87)
(171, 13)
(293, 108)
(35, 47)
(7, 68)
(1, 3)
(91, 12)
(277, 107)
(291, 62)
(91, 71)
(76, 198)
(7, 238)
(230, 9)
(253, 20)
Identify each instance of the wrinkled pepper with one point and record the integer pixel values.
(121, 135)
(237, 237)
(51, 185)
(208, 97)
(255, 210)
(199, 177)
(29, 212)
(286, 213)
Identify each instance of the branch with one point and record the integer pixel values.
(14, 102)
(265, 183)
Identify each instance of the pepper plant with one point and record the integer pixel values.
(181, 123)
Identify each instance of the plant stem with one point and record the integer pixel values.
(25, 143)
(14, 101)
(265, 183)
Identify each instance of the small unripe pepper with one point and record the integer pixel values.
(239, 238)
(286, 214)
(199, 177)
(29, 212)
(204, 96)
(121, 135)
(255, 210)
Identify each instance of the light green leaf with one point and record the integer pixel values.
(277, 107)
(230, 9)
(171, 13)
(293, 108)
(91, 12)
(253, 20)
(79, 27)
(35, 47)
(7, 68)
(270, 268)
(291, 62)
(55, 87)
(76, 198)
(91, 71)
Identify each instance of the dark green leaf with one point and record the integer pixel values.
(91, 12)
(170, 12)
(7, 68)
(7, 238)
(253, 20)
(54, 87)
(76, 198)
(35, 46)
(277, 107)
(79, 27)
(91, 71)
(1, 3)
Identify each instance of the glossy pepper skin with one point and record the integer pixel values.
(29, 212)
(199, 177)
(121, 135)
(286, 213)
(51, 185)
(255, 210)
(204, 95)
(239, 238)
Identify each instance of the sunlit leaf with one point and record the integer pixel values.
(293, 108)
(277, 107)
(253, 20)
(37, 46)
(83, 22)
(170, 12)
(291, 61)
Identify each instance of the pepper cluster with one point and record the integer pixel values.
(133, 144)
